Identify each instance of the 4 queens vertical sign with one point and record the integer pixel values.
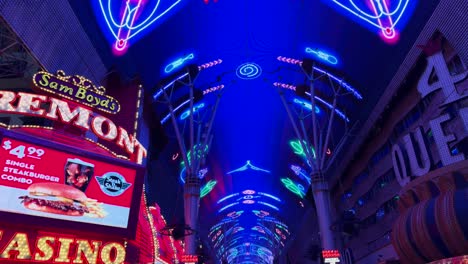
(411, 158)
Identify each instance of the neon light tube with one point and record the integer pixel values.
(160, 91)
(227, 206)
(270, 196)
(177, 63)
(175, 110)
(227, 197)
(269, 205)
(306, 105)
(186, 113)
(341, 114)
(323, 56)
(247, 166)
(126, 28)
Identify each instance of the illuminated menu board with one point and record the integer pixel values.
(46, 182)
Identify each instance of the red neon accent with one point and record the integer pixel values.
(330, 253)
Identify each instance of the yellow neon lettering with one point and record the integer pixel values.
(64, 249)
(18, 243)
(45, 250)
(90, 254)
(45, 80)
(119, 253)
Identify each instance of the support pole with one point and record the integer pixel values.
(321, 194)
(191, 206)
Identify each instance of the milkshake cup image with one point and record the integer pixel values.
(78, 173)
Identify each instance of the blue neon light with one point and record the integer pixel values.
(247, 166)
(186, 113)
(177, 63)
(182, 175)
(341, 114)
(248, 71)
(160, 91)
(175, 109)
(306, 105)
(341, 82)
(301, 173)
(269, 205)
(227, 206)
(323, 56)
(128, 28)
(227, 197)
(270, 196)
(202, 173)
(380, 16)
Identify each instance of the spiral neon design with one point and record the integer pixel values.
(248, 71)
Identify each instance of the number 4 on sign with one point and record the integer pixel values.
(18, 152)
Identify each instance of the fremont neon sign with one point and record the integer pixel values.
(80, 117)
(53, 249)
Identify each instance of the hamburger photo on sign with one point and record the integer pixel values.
(61, 199)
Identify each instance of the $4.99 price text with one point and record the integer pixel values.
(22, 151)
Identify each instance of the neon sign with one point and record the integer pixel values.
(177, 63)
(331, 256)
(76, 88)
(301, 173)
(323, 56)
(227, 206)
(248, 71)
(80, 117)
(293, 187)
(306, 105)
(331, 76)
(132, 22)
(247, 166)
(269, 205)
(381, 14)
(57, 249)
(227, 197)
(298, 149)
(207, 188)
(186, 113)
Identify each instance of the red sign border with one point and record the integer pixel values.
(63, 225)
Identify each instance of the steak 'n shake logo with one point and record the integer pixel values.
(112, 183)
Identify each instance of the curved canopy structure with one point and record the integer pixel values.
(258, 100)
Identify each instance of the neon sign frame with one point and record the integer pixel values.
(381, 17)
(126, 28)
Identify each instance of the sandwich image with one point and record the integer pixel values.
(60, 199)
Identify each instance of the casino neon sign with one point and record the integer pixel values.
(52, 249)
(81, 117)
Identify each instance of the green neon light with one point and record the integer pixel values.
(292, 186)
(199, 153)
(207, 188)
(299, 150)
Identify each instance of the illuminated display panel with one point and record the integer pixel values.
(46, 183)
(28, 246)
